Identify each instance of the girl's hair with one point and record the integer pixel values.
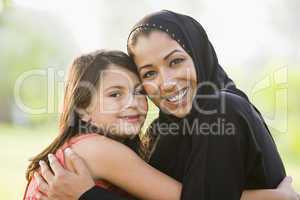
(84, 72)
(146, 142)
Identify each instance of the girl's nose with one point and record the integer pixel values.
(132, 101)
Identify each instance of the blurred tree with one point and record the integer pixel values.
(4, 4)
(29, 40)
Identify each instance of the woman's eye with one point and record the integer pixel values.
(115, 94)
(176, 61)
(149, 74)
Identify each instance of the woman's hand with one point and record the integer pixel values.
(286, 189)
(63, 184)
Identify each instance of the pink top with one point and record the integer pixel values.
(32, 187)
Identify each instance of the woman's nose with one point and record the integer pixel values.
(167, 86)
(167, 83)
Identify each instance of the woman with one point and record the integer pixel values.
(181, 74)
(167, 47)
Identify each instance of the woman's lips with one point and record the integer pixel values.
(179, 98)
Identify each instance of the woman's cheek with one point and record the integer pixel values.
(151, 88)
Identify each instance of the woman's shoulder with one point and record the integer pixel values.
(228, 114)
(234, 103)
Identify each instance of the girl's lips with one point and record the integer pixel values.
(132, 118)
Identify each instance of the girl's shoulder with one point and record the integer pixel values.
(95, 144)
(100, 153)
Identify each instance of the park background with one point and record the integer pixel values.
(257, 42)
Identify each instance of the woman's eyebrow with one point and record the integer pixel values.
(172, 52)
(165, 58)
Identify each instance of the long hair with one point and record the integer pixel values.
(83, 76)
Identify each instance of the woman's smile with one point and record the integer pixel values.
(167, 72)
(178, 96)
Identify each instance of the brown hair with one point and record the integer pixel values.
(147, 141)
(84, 69)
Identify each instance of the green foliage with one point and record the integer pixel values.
(29, 43)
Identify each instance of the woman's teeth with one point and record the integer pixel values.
(178, 97)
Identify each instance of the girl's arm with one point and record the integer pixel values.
(118, 164)
(112, 161)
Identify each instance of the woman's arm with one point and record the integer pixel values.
(271, 194)
(284, 191)
(116, 163)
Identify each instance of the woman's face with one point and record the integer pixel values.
(119, 105)
(167, 72)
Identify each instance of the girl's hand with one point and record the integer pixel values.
(286, 189)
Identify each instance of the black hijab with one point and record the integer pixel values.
(193, 38)
(212, 166)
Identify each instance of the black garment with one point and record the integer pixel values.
(220, 162)
(97, 193)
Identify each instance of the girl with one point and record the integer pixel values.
(103, 107)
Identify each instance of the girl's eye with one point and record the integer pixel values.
(149, 74)
(115, 94)
(176, 61)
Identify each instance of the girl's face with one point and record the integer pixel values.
(119, 105)
(167, 71)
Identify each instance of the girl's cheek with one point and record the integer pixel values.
(108, 106)
(145, 106)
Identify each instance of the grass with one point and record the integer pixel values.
(17, 144)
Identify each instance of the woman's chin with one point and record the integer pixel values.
(179, 112)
